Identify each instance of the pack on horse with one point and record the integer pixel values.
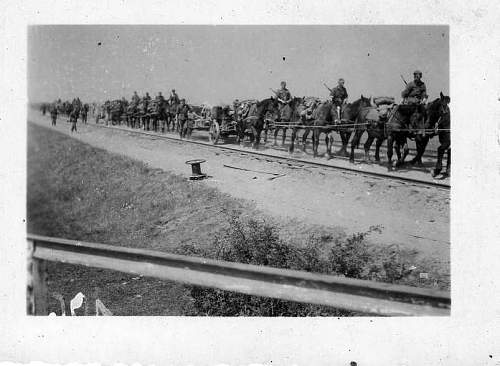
(254, 120)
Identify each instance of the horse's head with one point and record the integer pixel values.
(269, 105)
(365, 102)
(438, 110)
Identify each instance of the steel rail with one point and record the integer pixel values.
(363, 296)
(401, 179)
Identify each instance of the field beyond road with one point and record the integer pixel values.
(79, 192)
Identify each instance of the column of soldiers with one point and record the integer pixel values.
(415, 93)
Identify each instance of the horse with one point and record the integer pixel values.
(290, 115)
(347, 122)
(405, 121)
(435, 110)
(255, 120)
(323, 117)
(370, 120)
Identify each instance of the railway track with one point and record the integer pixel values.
(402, 179)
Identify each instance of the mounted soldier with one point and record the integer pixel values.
(174, 98)
(415, 94)
(160, 99)
(145, 101)
(339, 96)
(284, 98)
(135, 99)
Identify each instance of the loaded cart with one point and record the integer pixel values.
(222, 125)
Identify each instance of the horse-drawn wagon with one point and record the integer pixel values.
(223, 124)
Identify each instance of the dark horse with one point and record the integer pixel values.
(371, 121)
(347, 122)
(405, 121)
(326, 120)
(439, 111)
(289, 116)
(435, 111)
(254, 121)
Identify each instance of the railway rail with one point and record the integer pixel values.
(402, 179)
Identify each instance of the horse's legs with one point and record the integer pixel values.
(283, 137)
(257, 138)
(439, 162)
(378, 144)
(292, 143)
(406, 151)
(390, 145)
(316, 133)
(345, 136)
(329, 137)
(254, 137)
(368, 145)
(354, 143)
(275, 134)
(421, 144)
(304, 139)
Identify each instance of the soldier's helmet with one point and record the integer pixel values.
(173, 90)
(236, 101)
(183, 100)
(159, 93)
(283, 84)
(417, 72)
(341, 80)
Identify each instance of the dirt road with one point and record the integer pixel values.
(413, 217)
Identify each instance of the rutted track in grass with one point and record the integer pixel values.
(407, 180)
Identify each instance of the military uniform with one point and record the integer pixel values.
(415, 92)
(174, 98)
(284, 97)
(339, 94)
(182, 113)
(73, 117)
(53, 114)
(135, 100)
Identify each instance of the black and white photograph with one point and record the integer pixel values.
(239, 170)
(249, 183)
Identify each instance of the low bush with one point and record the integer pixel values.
(258, 242)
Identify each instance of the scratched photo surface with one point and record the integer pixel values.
(238, 170)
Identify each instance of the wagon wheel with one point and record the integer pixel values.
(214, 132)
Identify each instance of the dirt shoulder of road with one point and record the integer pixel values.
(79, 192)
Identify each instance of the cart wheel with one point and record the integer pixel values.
(214, 132)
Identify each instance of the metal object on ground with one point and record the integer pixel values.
(196, 169)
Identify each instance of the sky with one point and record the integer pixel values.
(216, 64)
